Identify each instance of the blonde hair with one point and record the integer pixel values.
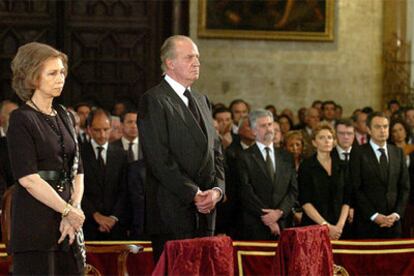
(323, 126)
(27, 64)
(293, 134)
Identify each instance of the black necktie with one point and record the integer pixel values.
(383, 164)
(101, 163)
(269, 164)
(346, 155)
(192, 106)
(130, 153)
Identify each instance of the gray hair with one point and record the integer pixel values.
(256, 114)
(168, 49)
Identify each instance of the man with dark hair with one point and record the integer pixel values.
(344, 151)
(268, 183)
(393, 106)
(361, 128)
(223, 118)
(380, 176)
(312, 119)
(182, 152)
(104, 164)
(409, 119)
(83, 109)
(328, 112)
(129, 141)
(239, 108)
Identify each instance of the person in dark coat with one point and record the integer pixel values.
(323, 190)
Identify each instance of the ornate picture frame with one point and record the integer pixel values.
(306, 20)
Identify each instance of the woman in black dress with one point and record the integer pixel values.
(323, 191)
(45, 161)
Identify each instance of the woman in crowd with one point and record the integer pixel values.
(286, 124)
(45, 160)
(323, 191)
(277, 138)
(399, 137)
(294, 145)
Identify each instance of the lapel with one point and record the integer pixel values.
(392, 170)
(110, 159)
(185, 114)
(90, 157)
(258, 158)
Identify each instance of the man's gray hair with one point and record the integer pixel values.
(256, 114)
(168, 49)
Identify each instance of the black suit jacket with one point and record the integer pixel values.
(6, 175)
(326, 193)
(259, 192)
(109, 197)
(181, 158)
(373, 194)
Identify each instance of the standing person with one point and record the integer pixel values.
(380, 175)
(185, 175)
(45, 161)
(323, 191)
(129, 141)
(268, 186)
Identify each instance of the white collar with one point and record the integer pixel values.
(95, 145)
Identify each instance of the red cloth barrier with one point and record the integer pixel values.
(304, 251)
(201, 256)
(382, 257)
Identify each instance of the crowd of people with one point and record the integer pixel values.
(179, 166)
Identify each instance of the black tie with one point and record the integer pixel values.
(269, 164)
(130, 153)
(101, 163)
(192, 106)
(383, 164)
(346, 155)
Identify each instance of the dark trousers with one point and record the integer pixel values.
(45, 263)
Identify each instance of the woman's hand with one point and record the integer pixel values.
(76, 218)
(66, 229)
(335, 232)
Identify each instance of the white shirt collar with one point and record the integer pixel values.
(375, 147)
(95, 145)
(125, 142)
(178, 88)
(263, 146)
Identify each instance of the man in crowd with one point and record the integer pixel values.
(344, 151)
(104, 166)
(361, 128)
(409, 118)
(116, 132)
(129, 140)
(239, 108)
(268, 183)
(380, 176)
(185, 174)
(228, 212)
(6, 108)
(222, 116)
(312, 119)
(83, 109)
(329, 112)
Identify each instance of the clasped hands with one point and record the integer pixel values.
(386, 221)
(205, 201)
(270, 219)
(70, 224)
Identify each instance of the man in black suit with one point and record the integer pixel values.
(185, 175)
(228, 211)
(344, 151)
(129, 141)
(268, 182)
(104, 166)
(380, 176)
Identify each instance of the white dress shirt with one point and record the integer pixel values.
(178, 88)
(263, 151)
(341, 152)
(125, 145)
(95, 149)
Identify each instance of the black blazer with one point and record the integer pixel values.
(181, 157)
(6, 175)
(259, 192)
(108, 198)
(326, 193)
(373, 194)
